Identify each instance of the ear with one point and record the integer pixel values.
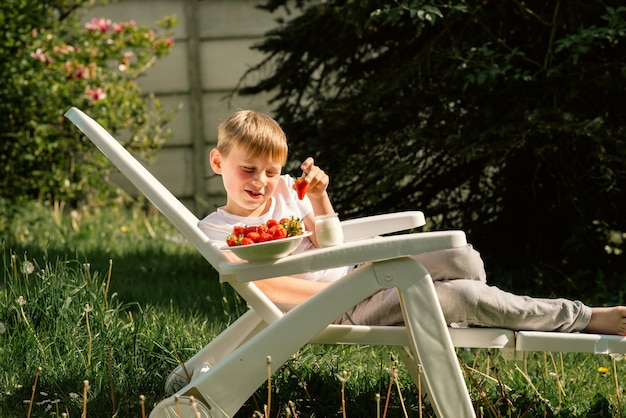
(215, 159)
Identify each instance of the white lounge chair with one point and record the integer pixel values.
(225, 373)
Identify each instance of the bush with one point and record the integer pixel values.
(50, 62)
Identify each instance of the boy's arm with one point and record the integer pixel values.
(289, 291)
(318, 183)
(317, 194)
(286, 290)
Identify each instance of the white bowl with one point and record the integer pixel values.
(268, 250)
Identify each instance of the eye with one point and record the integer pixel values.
(248, 169)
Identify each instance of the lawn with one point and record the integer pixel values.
(96, 308)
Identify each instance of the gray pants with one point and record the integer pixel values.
(460, 282)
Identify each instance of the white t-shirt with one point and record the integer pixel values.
(284, 203)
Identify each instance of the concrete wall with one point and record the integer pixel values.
(210, 54)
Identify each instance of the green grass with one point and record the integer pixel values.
(116, 297)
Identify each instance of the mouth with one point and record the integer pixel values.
(254, 195)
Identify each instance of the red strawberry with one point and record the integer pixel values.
(301, 186)
(248, 229)
(278, 232)
(232, 240)
(254, 236)
(292, 225)
(238, 230)
(265, 236)
(246, 241)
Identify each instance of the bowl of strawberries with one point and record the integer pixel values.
(269, 241)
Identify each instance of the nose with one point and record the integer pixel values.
(260, 178)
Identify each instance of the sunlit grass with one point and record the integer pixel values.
(117, 298)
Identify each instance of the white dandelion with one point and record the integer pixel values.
(28, 267)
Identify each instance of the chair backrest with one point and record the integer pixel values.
(177, 213)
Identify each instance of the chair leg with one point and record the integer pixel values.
(429, 333)
(244, 328)
(181, 407)
(412, 366)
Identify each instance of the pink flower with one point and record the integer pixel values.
(123, 66)
(100, 24)
(80, 71)
(163, 43)
(64, 49)
(95, 94)
(122, 26)
(39, 55)
(77, 70)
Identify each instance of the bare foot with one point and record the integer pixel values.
(607, 321)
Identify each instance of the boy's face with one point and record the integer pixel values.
(249, 182)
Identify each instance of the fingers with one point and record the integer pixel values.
(307, 164)
(317, 178)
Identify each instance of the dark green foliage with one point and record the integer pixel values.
(503, 119)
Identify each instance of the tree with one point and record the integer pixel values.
(49, 62)
(504, 119)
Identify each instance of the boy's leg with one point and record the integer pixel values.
(454, 263)
(473, 303)
(382, 308)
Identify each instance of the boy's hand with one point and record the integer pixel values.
(318, 180)
(318, 183)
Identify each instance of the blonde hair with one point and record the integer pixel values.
(258, 134)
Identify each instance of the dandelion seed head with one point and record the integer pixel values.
(74, 395)
(341, 377)
(617, 356)
(87, 307)
(28, 267)
(21, 301)
(3, 328)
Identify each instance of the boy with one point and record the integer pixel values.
(250, 154)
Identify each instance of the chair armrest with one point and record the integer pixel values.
(371, 226)
(347, 254)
